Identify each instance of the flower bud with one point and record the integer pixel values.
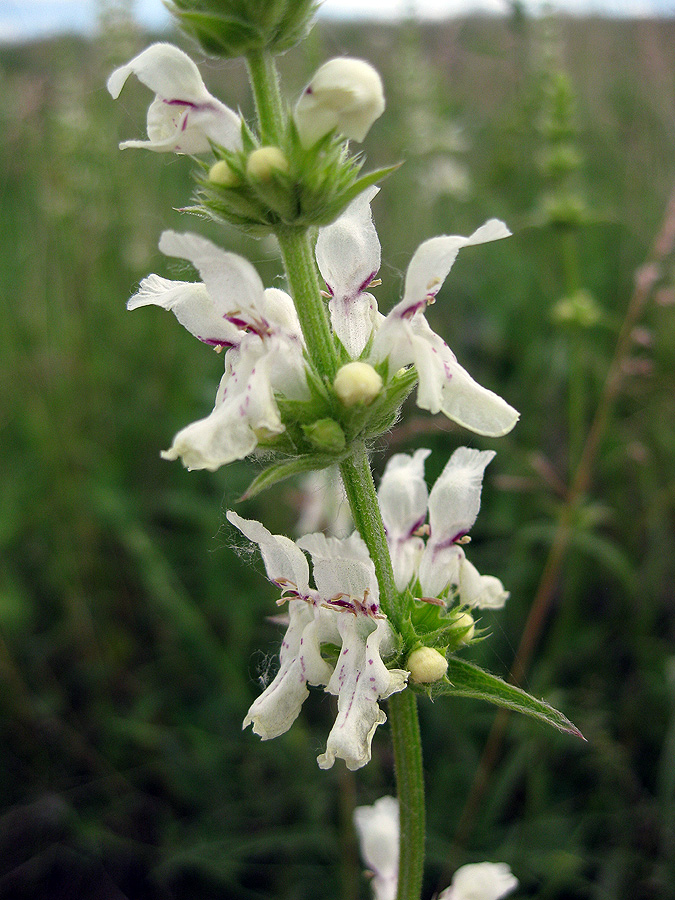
(464, 622)
(426, 665)
(221, 174)
(357, 382)
(325, 434)
(265, 162)
(345, 95)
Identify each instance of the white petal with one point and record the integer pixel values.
(438, 568)
(164, 69)
(343, 567)
(454, 501)
(184, 115)
(284, 561)
(348, 251)
(481, 881)
(191, 304)
(433, 259)
(481, 591)
(245, 404)
(360, 679)
(232, 282)
(279, 308)
(301, 663)
(474, 407)
(402, 496)
(378, 829)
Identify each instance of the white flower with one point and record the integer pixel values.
(377, 827)
(403, 499)
(184, 117)
(344, 95)
(454, 503)
(260, 329)
(481, 881)
(342, 609)
(453, 506)
(348, 254)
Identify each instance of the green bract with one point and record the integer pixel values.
(318, 183)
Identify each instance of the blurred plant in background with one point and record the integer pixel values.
(122, 696)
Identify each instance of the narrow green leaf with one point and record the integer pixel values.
(464, 679)
(281, 470)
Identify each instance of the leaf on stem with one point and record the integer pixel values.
(464, 679)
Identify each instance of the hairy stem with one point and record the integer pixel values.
(296, 249)
(264, 80)
(405, 732)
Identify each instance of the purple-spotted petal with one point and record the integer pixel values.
(301, 663)
(359, 680)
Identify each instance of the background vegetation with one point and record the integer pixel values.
(133, 638)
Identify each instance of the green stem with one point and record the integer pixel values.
(405, 732)
(264, 80)
(296, 246)
(360, 490)
(296, 249)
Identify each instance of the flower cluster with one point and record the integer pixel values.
(341, 611)
(342, 608)
(377, 827)
(266, 364)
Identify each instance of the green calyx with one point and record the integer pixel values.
(321, 431)
(310, 189)
(231, 28)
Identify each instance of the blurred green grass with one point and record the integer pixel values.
(132, 638)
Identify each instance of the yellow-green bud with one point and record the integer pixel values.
(221, 174)
(325, 434)
(426, 665)
(265, 162)
(357, 382)
(465, 621)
